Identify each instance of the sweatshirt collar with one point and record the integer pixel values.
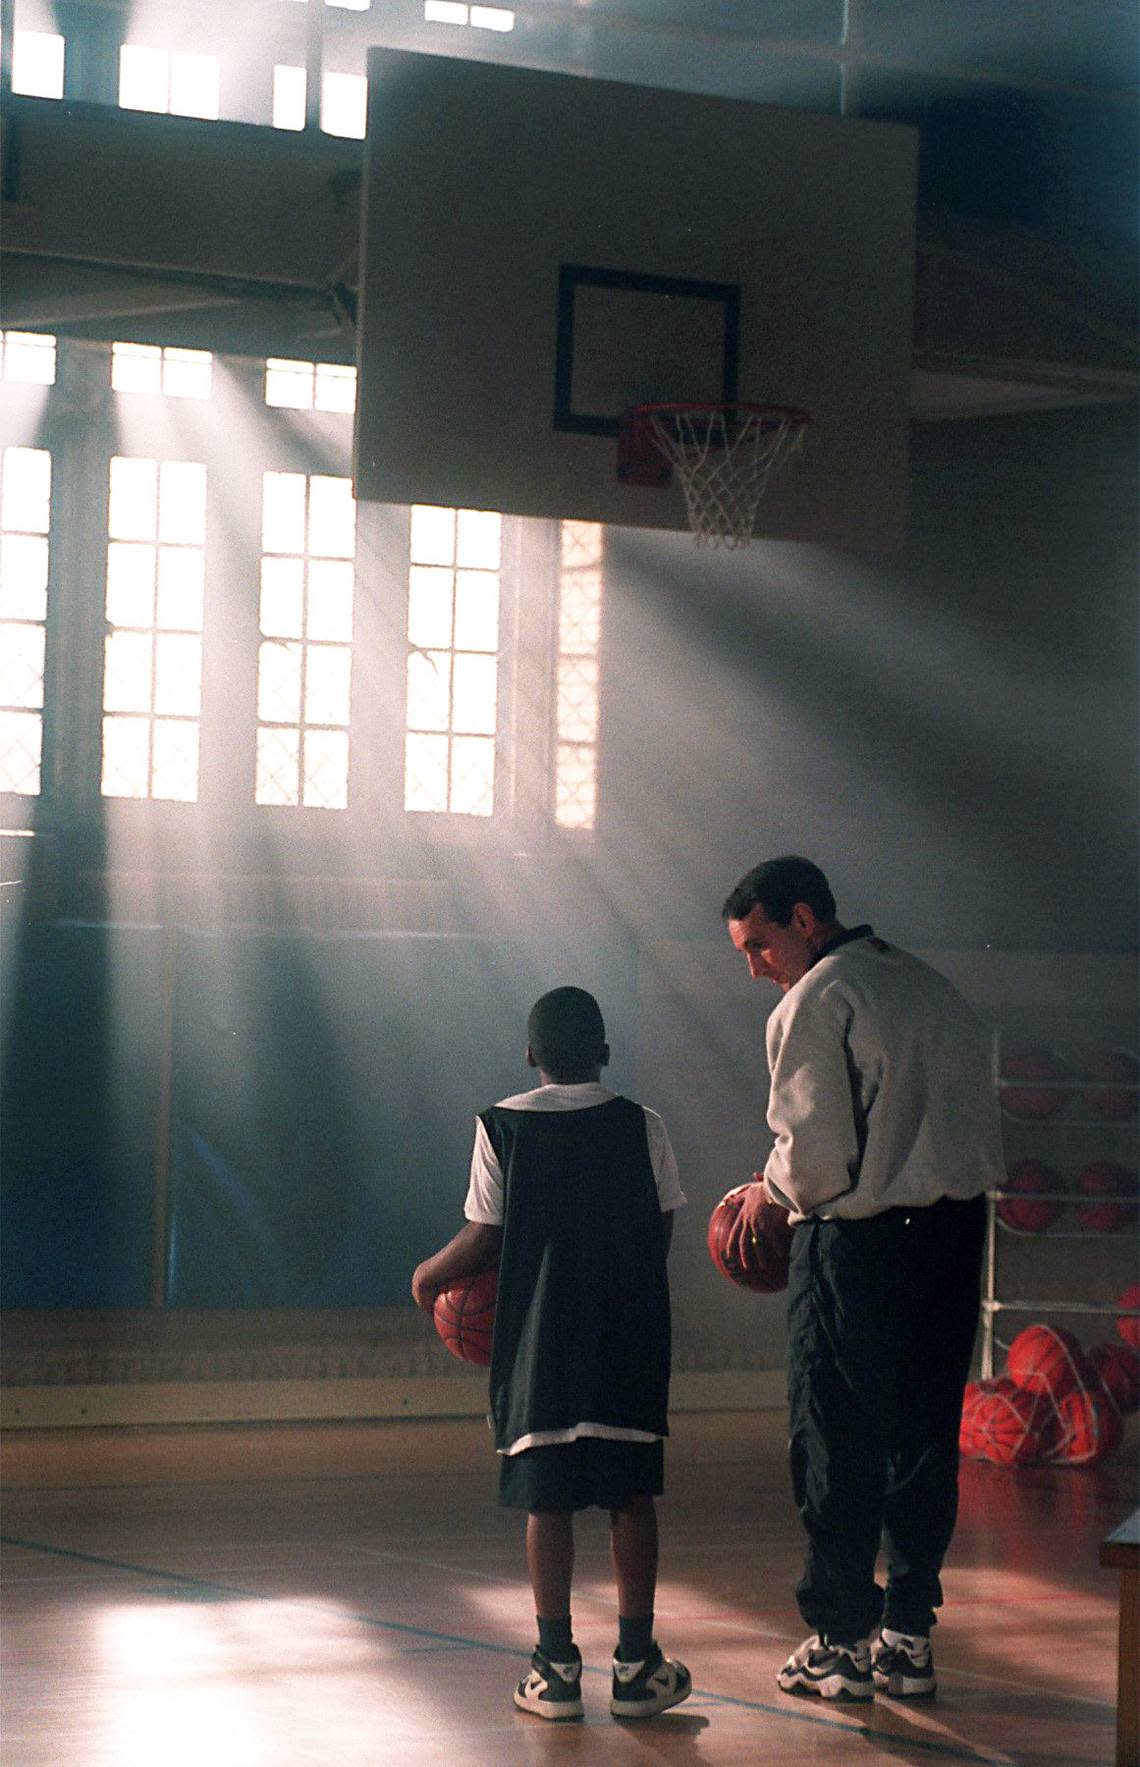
(844, 938)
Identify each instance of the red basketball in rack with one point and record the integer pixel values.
(465, 1316)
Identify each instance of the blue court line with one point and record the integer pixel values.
(899, 1745)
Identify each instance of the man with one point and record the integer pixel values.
(886, 1135)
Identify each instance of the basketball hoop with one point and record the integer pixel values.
(723, 454)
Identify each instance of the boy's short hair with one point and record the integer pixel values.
(776, 887)
(566, 1032)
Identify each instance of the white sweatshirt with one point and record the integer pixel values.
(882, 1087)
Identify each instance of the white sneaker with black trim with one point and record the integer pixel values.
(551, 1690)
(902, 1665)
(829, 1671)
(641, 1690)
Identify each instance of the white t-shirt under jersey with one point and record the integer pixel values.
(485, 1204)
(485, 1190)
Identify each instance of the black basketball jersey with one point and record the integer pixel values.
(582, 1313)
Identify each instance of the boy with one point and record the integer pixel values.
(572, 1191)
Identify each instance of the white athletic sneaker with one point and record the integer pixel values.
(640, 1690)
(551, 1690)
(830, 1671)
(902, 1665)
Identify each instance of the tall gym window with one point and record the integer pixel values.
(305, 654)
(25, 521)
(152, 670)
(453, 660)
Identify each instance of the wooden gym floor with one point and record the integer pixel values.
(290, 1596)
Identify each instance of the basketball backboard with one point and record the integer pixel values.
(541, 252)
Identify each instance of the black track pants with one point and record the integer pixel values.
(881, 1321)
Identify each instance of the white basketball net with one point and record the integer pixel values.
(724, 455)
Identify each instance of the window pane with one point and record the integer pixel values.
(136, 368)
(182, 502)
(29, 356)
(473, 701)
(279, 683)
(344, 105)
(187, 374)
(287, 383)
(25, 505)
(432, 535)
(289, 84)
(278, 756)
(336, 387)
(130, 584)
(126, 757)
(476, 611)
(178, 674)
(134, 499)
(37, 64)
(332, 517)
(330, 600)
(175, 771)
(144, 76)
(580, 612)
(283, 512)
(429, 607)
(327, 672)
(472, 776)
(479, 539)
(425, 773)
(578, 699)
(126, 675)
(282, 597)
(429, 690)
(575, 788)
(21, 739)
(22, 666)
(23, 577)
(492, 18)
(195, 85)
(581, 544)
(181, 588)
(326, 769)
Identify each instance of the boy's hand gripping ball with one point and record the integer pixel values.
(465, 1316)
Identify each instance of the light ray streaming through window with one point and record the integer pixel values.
(151, 368)
(344, 101)
(37, 64)
(25, 520)
(576, 688)
(305, 656)
(28, 356)
(310, 386)
(453, 660)
(153, 649)
(169, 80)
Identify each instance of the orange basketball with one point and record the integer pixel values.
(1046, 1359)
(765, 1264)
(1035, 1213)
(1106, 1178)
(1129, 1328)
(1117, 1368)
(1087, 1428)
(1034, 1063)
(465, 1316)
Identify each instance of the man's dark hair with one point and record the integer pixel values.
(566, 1033)
(776, 886)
